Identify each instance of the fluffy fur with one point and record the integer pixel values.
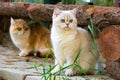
(30, 38)
(68, 39)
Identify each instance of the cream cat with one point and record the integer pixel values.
(67, 39)
(30, 38)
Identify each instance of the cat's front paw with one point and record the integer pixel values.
(55, 70)
(23, 54)
(69, 72)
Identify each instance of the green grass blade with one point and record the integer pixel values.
(31, 22)
(62, 69)
(51, 68)
(91, 31)
(94, 46)
(96, 58)
(77, 57)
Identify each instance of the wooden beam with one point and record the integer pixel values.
(102, 16)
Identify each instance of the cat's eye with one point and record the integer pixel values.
(19, 29)
(71, 20)
(62, 20)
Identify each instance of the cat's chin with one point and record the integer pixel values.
(67, 29)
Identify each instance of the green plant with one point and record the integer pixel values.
(92, 29)
(96, 2)
(68, 1)
(34, 66)
(104, 2)
(46, 75)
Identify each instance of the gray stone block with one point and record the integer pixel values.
(12, 74)
(33, 78)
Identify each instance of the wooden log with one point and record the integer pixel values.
(13, 9)
(113, 68)
(102, 16)
(109, 42)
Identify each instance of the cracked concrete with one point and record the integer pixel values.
(14, 67)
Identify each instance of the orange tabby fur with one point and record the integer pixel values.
(31, 38)
(40, 37)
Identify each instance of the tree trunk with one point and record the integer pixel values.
(109, 42)
(102, 16)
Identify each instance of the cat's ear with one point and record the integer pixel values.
(12, 21)
(56, 12)
(74, 11)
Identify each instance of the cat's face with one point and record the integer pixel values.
(65, 19)
(19, 27)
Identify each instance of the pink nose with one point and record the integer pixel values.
(67, 24)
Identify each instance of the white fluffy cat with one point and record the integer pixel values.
(68, 39)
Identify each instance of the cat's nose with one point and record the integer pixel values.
(23, 32)
(67, 24)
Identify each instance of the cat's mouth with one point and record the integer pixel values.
(67, 28)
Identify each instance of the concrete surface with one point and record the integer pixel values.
(13, 67)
